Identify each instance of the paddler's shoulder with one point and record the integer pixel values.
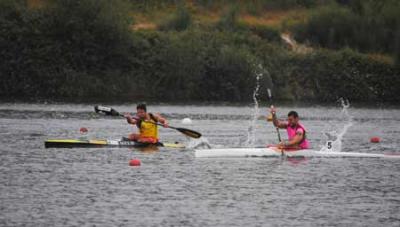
(155, 115)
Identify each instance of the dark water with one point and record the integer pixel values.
(97, 187)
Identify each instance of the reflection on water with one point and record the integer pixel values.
(81, 187)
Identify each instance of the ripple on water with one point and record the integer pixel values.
(76, 187)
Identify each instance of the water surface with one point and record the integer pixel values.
(86, 187)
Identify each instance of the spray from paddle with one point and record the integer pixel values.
(201, 143)
(252, 128)
(334, 139)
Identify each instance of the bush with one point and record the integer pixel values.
(48, 46)
(266, 32)
(229, 20)
(331, 27)
(367, 26)
(257, 6)
(148, 5)
(180, 21)
(81, 49)
(288, 4)
(331, 75)
(200, 66)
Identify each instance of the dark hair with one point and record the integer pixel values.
(141, 106)
(293, 113)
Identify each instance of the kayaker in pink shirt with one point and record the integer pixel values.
(297, 138)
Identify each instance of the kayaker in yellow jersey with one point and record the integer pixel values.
(144, 121)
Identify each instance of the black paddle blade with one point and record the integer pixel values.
(106, 110)
(189, 132)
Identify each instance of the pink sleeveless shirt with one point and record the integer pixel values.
(292, 133)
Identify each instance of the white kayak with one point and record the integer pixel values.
(269, 152)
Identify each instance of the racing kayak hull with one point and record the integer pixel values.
(269, 152)
(98, 143)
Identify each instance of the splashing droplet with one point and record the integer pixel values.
(334, 137)
(200, 143)
(251, 130)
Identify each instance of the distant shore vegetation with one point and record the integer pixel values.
(201, 50)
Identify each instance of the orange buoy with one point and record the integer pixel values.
(83, 130)
(375, 139)
(134, 162)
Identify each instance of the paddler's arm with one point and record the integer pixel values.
(277, 123)
(162, 120)
(295, 141)
(129, 119)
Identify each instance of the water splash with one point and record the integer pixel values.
(251, 130)
(335, 137)
(200, 143)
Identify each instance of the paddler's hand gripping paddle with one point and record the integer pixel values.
(111, 112)
(273, 115)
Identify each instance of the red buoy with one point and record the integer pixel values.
(134, 162)
(83, 130)
(375, 139)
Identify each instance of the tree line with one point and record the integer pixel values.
(86, 50)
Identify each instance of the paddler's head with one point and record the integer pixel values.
(293, 118)
(141, 110)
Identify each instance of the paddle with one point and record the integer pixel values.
(277, 129)
(112, 112)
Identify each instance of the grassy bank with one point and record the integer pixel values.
(196, 51)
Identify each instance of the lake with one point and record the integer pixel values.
(97, 187)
